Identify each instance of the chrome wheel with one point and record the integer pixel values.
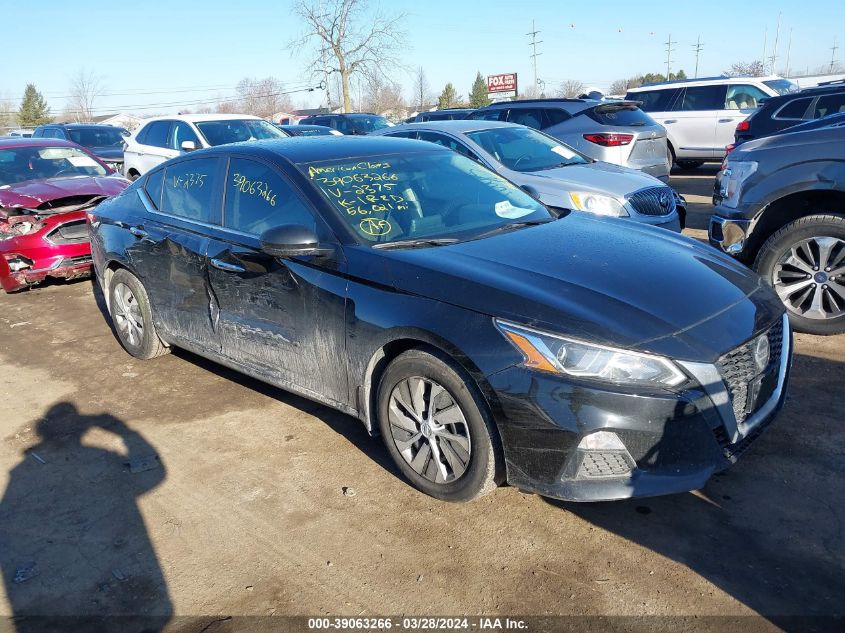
(810, 278)
(429, 429)
(127, 315)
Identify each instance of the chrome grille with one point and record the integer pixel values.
(653, 201)
(737, 368)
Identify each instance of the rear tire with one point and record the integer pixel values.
(132, 317)
(437, 429)
(793, 261)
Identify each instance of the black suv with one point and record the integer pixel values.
(349, 123)
(784, 111)
(104, 141)
(780, 207)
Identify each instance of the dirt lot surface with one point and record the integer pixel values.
(263, 503)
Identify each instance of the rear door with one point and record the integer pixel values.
(741, 100)
(693, 122)
(171, 248)
(282, 318)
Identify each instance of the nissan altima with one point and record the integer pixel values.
(486, 339)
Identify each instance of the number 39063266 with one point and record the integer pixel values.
(255, 188)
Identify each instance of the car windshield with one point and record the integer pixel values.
(236, 130)
(19, 164)
(367, 124)
(782, 86)
(525, 149)
(96, 137)
(421, 196)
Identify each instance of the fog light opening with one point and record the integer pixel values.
(18, 263)
(603, 455)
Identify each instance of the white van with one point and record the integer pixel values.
(701, 115)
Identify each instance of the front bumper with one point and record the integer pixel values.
(666, 442)
(59, 267)
(730, 235)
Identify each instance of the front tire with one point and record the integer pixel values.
(132, 316)
(437, 429)
(805, 263)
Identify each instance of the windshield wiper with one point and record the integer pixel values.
(510, 226)
(418, 243)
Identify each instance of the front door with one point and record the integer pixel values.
(282, 318)
(692, 122)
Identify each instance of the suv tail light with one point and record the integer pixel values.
(743, 126)
(610, 140)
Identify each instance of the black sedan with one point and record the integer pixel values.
(485, 338)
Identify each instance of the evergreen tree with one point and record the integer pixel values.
(449, 98)
(34, 110)
(478, 95)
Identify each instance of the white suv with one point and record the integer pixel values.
(163, 138)
(701, 115)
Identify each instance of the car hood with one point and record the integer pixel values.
(597, 279)
(597, 176)
(33, 193)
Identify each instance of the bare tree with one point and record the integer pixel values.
(754, 68)
(85, 88)
(349, 41)
(422, 91)
(262, 97)
(571, 88)
(383, 97)
(621, 86)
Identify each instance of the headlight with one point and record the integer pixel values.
(598, 204)
(734, 174)
(552, 353)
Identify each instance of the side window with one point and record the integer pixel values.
(341, 124)
(152, 186)
(829, 104)
(794, 110)
(494, 114)
(190, 190)
(445, 141)
(743, 96)
(180, 132)
(655, 100)
(701, 98)
(530, 117)
(141, 137)
(38, 133)
(157, 134)
(408, 134)
(555, 116)
(59, 133)
(259, 198)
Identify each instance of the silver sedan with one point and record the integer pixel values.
(554, 173)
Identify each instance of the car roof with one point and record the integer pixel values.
(198, 118)
(298, 149)
(460, 126)
(350, 114)
(96, 126)
(21, 141)
(720, 79)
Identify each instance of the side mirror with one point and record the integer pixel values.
(188, 146)
(292, 240)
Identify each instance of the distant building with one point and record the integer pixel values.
(121, 119)
(808, 81)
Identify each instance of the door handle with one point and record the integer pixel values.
(138, 231)
(231, 268)
(726, 120)
(668, 121)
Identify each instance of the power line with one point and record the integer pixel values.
(697, 48)
(533, 35)
(669, 51)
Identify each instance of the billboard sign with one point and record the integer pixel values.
(503, 85)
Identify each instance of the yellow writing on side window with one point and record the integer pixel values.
(187, 181)
(257, 188)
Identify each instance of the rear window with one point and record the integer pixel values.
(619, 115)
(794, 109)
(487, 115)
(829, 104)
(654, 100)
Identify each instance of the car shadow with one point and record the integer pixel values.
(75, 551)
(768, 531)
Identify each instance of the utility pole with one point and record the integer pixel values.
(765, 41)
(697, 48)
(833, 50)
(774, 56)
(533, 35)
(669, 51)
(788, 51)
(325, 62)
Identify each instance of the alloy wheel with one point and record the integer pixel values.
(429, 429)
(810, 278)
(127, 315)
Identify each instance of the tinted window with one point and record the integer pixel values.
(182, 132)
(157, 134)
(36, 134)
(403, 134)
(259, 198)
(700, 98)
(611, 114)
(319, 121)
(494, 114)
(654, 100)
(445, 141)
(153, 187)
(829, 104)
(743, 96)
(529, 117)
(364, 124)
(141, 137)
(189, 190)
(794, 109)
(96, 136)
(555, 116)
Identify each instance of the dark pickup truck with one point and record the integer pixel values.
(780, 208)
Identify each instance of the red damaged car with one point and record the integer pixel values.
(46, 186)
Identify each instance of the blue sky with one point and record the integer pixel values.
(157, 53)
